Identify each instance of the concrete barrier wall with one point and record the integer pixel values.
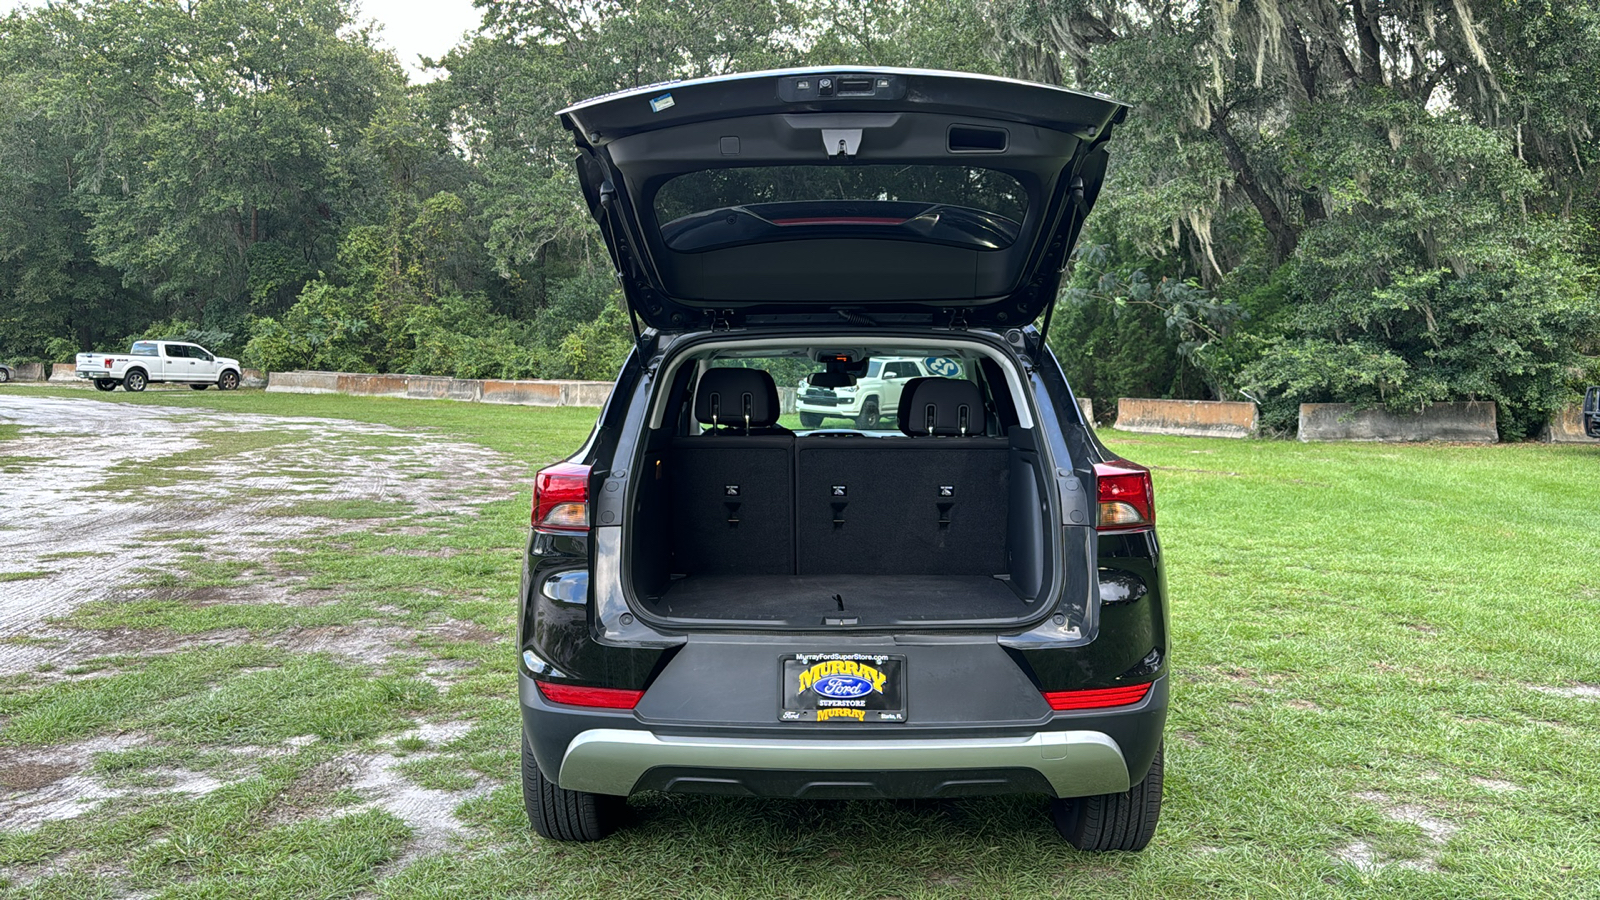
(303, 382)
(371, 385)
(64, 372)
(1468, 421)
(1197, 418)
(524, 393)
(1086, 406)
(1566, 427)
(437, 387)
(28, 372)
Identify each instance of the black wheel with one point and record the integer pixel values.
(104, 384)
(563, 815)
(228, 381)
(198, 387)
(1123, 821)
(134, 380)
(810, 420)
(869, 415)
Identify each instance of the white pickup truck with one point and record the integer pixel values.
(155, 362)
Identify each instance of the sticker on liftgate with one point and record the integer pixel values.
(843, 687)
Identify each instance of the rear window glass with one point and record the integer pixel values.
(883, 195)
(871, 404)
(143, 348)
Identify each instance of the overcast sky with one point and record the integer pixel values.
(411, 28)
(414, 28)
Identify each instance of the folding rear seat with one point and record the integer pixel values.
(733, 485)
(933, 505)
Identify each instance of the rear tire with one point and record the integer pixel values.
(869, 415)
(562, 815)
(228, 381)
(5, 375)
(1125, 821)
(134, 381)
(198, 387)
(104, 384)
(810, 420)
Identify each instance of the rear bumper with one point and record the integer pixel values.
(828, 407)
(1064, 754)
(614, 761)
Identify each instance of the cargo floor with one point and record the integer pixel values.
(809, 599)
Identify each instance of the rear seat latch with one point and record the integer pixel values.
(732, 490)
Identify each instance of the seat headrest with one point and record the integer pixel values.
(736, 398)
(941, 406)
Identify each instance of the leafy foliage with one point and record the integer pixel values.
(1396, 198)
(1391, 203)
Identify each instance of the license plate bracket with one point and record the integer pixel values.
(844, 688)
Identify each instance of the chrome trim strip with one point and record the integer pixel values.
(1076, 763)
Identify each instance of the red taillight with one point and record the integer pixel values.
(108, 363)
(1098, 698)
(1127, 497)
(561, 498)
(594, 697)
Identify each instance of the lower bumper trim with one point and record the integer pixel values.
(1075, 763)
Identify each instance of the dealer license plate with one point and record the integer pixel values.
(843, 687)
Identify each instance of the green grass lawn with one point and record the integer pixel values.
(1386, 684)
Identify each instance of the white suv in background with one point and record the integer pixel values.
(874, 397)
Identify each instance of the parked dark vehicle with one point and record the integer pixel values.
(5, 373)
(1591, 412)
(964, 598)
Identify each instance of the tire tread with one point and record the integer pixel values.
(1125, 821)
(563, 815)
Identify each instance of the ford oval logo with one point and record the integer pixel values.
(843, 686)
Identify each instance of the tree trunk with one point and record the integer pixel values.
(1366, 21)
(1302, 63)
(1284, 236)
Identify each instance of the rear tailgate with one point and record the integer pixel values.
(95, 364)
(781, 195)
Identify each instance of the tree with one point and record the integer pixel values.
(1363, 160)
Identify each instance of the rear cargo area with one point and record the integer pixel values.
(840, 529)
(884, 599)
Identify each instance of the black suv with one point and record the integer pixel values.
(965, 598)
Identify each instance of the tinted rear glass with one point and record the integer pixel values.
(871, 404)
(985, 190)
